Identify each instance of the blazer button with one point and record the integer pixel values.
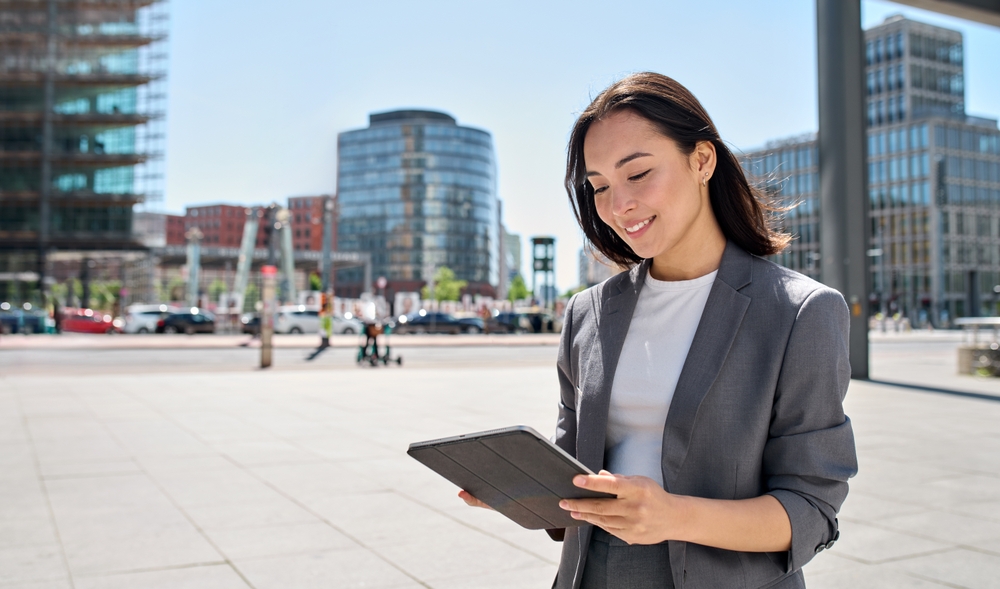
(829, 544)
(820, 548)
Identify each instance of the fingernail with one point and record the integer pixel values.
(580, 481)
(575, 515)
(564, 504)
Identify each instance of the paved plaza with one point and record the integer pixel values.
(188, 467)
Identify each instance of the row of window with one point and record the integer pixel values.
(888, 225)
(898, 168)
(890, 110)
(968, 195)
(478, 212)
(353, 229)
(400, 177)
(900, 195)
(884, 48)
(67, 219)
(969, 254)
(967, 139)
(108, 181)
(891, 47)
(897, 140)
(963, 223)
(421, 160)
(381, 133)
(115, 102)
(399, 146)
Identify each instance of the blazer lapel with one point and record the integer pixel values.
(716, 331)
(617, 306)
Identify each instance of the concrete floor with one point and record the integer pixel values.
(165, 468)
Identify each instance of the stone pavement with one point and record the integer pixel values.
(145, 473)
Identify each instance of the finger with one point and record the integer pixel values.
(608, 507)
(605, 482)
(472, 501)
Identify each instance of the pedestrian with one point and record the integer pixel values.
(705, 384)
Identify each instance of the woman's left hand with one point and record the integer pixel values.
(643, 513)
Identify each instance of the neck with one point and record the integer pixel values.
(693, 257)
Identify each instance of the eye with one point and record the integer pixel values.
(638, 176)
(600, 190)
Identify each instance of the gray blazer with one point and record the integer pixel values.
(758, 409)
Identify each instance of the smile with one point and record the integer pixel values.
(639, 225)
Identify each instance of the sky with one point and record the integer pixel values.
(259, 90)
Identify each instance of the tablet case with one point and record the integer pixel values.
(513, 470)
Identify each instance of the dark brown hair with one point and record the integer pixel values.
(744, 213)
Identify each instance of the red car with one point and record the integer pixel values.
(89, 321)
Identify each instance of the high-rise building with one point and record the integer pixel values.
(594, 267)
(82, 98)
(307, 222)
(418, 191)
(933, 181)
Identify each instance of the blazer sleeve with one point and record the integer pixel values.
(565, 436)
(810, 453)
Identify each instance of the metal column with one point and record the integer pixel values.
(45, 189)
(844, 229)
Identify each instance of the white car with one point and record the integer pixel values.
(302, 319)
(143, 318)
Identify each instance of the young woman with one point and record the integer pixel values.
(705, 384)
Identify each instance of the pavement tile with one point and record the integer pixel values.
(27, 531)
(343, 569)
(264, 452)
(943, 527)
(37, 562)
(156, 437)
(529, 576)
(86, 469)
(441, 556)
(959, 567)
(873, 544)
(199, 577)
(382, 519)
(318, 480)
(150, 548)
(248, 543)
(862, 507)
(868, 577)
(227, 516)
(207, 487)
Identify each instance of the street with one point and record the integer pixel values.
(193, 468)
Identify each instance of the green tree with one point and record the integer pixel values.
(215, 289)
(518, 290)
(446, 287)
(315, 282)
(573, 291)
(250, 298)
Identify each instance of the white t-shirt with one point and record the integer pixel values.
(663, 326)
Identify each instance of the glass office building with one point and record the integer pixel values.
(418, 192)
(933, 178)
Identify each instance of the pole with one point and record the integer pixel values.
(269, 292)
(45, 189)
(844, 232)
(327, 242)
(194, 236)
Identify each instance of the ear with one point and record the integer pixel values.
(703, 158)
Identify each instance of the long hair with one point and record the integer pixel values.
(743, 212)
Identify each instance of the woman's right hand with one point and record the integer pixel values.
(472, 501)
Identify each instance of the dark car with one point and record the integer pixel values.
(508, 322)
(18, 321)
(250, 323)
(431, 322)
(192, 321)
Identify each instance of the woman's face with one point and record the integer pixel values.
(647, 190)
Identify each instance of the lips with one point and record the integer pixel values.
(638, 226)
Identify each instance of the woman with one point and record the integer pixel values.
(706, 384)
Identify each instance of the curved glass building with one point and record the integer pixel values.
(418, 192)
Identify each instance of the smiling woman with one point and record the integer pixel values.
(705, 384)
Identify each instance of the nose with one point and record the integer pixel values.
(622, 202)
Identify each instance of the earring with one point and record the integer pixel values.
(705, 181)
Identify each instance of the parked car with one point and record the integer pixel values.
(432, 322)
(508, 322)
(89, 321)
(23, 321)
(347, 326)
(296, 319)
(194, 320)
(143, 318)
(250, 323)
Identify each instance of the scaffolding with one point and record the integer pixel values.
(82, 124)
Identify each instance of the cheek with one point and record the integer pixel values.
(603, 206)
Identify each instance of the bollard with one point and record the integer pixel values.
(269, 296)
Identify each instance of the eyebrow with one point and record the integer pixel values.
(622, 162)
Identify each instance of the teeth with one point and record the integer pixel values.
(638, 225)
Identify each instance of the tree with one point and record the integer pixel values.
(518, 290)
(315, 282)
(446, 287)
(573, 291)
(216, 289)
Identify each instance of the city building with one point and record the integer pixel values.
(307, 222)
(512, 256)
(418, 191)
(82, 99)
(933, 177)
(594, 268)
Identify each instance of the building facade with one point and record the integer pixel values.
(933, 177)
(594, 267)
(418, 191)
(82, 99)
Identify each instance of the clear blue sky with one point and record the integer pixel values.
(258, 89)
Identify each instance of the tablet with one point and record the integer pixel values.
(514, 470)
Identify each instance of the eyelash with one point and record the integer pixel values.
(635, 178)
